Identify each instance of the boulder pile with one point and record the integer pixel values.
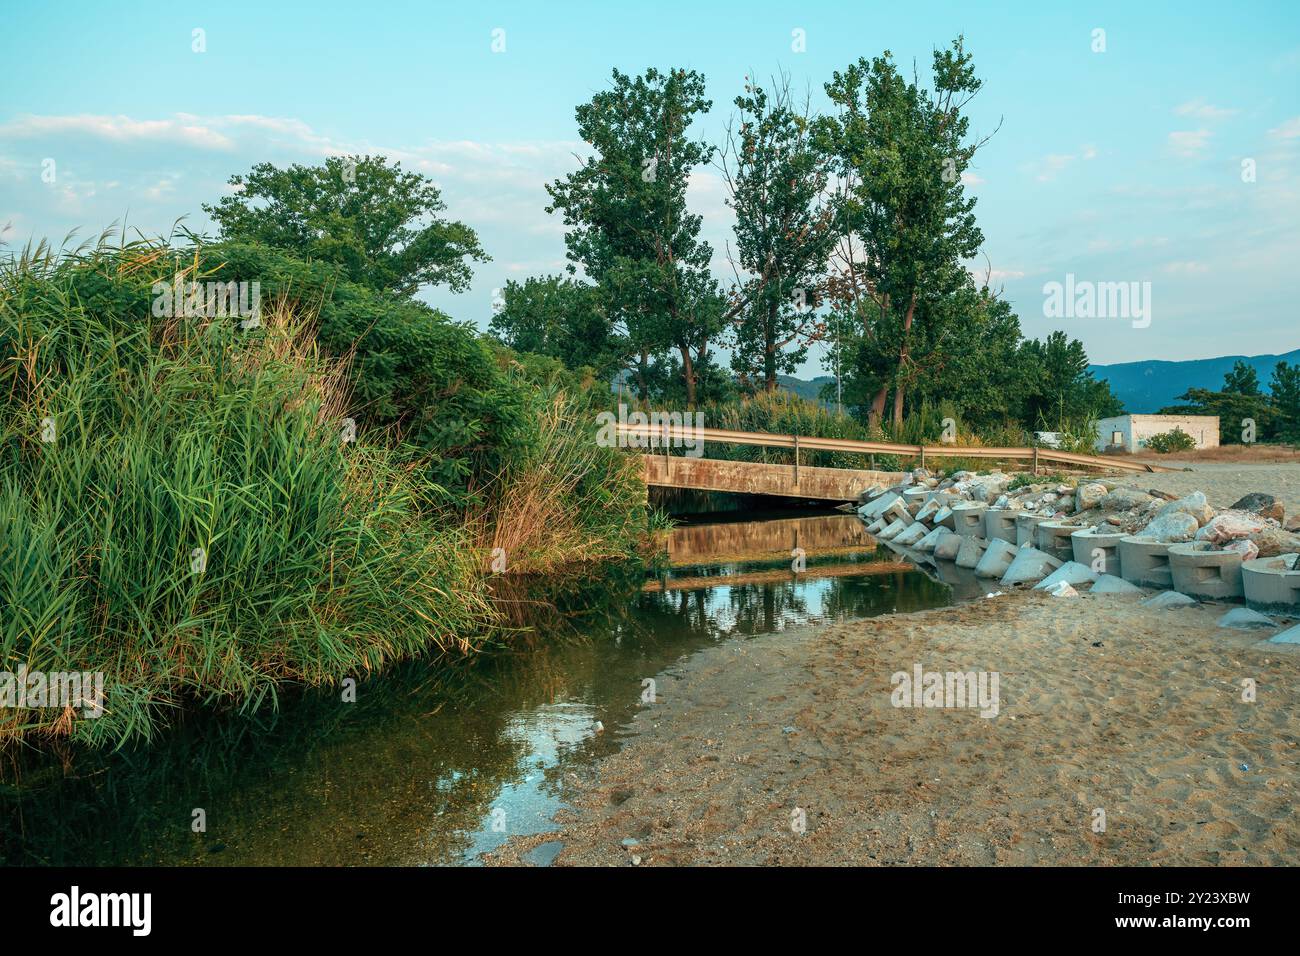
(977, 510)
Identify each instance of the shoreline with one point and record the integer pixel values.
(1103, 705)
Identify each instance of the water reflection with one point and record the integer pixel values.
(436, 764)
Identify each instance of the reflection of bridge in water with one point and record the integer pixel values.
(770, 539)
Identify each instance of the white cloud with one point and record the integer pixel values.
(184, 129)
(1189, 143)
(1289, 129)
(1186, 268)
(1202, 110)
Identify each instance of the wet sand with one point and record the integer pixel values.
(1103, 705)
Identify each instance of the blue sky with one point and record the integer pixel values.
(1116, 166)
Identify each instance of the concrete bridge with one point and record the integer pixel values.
(756, 478)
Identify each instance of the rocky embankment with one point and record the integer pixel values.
(1104, 533)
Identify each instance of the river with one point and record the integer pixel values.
(434, 766)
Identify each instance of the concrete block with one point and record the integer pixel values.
(1145, 562)
(1201, 571)
(876, 507)
(1030, 565)
(910, 535)
(947, 547)
(1000, 523)
(1109, 584)
(1272, 584)
(968, 518)
(1244, 617)
(1290, 636)
(927, 543)
(1054, 539)
(1085, 543)
(896, 526)
(995, 560)
(970, 552)
(944, 517)
(1170, 599)
(1072, 572)
(1026, 525)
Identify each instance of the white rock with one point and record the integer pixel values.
(1030, 565)
(1061, 589)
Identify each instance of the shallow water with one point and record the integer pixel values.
(437, 765)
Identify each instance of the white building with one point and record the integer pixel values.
(1130, 432)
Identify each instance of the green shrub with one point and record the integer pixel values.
(1171, 441)
(178, 512)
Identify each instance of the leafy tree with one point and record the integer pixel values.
(1241, 380)
(1063, 391)
(377, 223)
(784, 231)
(1232, 408)
(901, 150)
(561, 318)
(1285, 389)
(629, 228)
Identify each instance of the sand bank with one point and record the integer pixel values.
(1103, 706)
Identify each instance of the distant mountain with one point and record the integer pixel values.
(803, 387)
(1146, 387)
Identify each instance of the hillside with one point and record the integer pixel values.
(1148, 386)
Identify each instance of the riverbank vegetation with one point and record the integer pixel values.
(209, 508)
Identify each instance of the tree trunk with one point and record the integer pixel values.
(877, 411)
(688, 374)
(900, 381)
(769, 348)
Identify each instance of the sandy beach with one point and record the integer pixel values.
(1103, 706)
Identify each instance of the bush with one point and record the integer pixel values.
(1171, 441)
(434, 381)
(177, 510)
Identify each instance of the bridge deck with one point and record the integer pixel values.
(756, 478)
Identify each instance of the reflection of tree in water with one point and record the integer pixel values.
(407, 773)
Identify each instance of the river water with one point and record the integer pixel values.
(436, 765)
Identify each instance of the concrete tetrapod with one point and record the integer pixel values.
(968, 518)
(1000, 523)
(972, 549)
(1201, 571)
(947, 547)
(1109, 584)
(1054, 538)
(1030, 565)
(927, 543)
(1072, 572)
(1272, 584)
(1145, 562)
(910, 535)
(944, 517)
(1087, 543)
(895, 527)
(996, 559)
(1026, 529)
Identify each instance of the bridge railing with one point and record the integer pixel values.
(1036, 454)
